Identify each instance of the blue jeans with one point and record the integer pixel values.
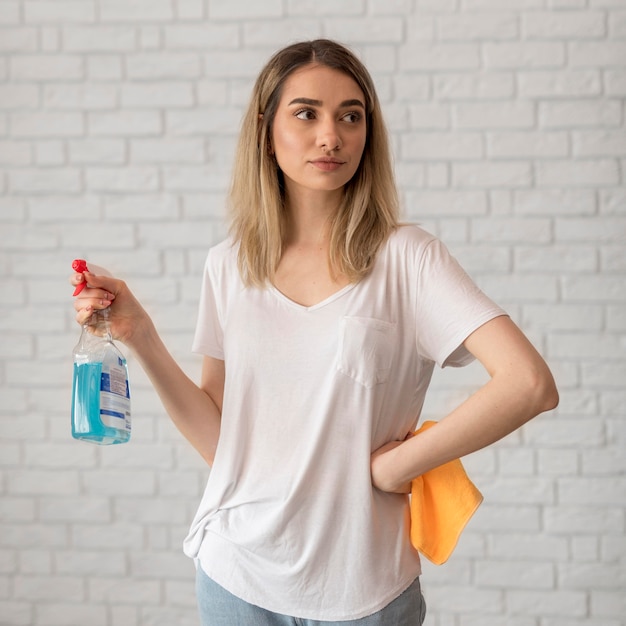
(219, 607)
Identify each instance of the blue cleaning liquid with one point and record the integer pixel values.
(92, 419)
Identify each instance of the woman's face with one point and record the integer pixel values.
(319, 130)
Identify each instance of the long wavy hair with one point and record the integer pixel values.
(369, 208)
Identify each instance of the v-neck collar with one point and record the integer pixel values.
(333, 296)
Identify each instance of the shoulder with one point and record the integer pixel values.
(408, 241)
(222, 254)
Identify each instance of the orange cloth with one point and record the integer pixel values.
(442, 502)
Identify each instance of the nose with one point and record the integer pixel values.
(328, 136)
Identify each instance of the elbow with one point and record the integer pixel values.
(544, 392)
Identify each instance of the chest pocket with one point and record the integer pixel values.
(366, 349)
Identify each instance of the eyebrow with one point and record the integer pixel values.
(318, 103)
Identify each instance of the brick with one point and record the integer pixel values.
(59, 12)
(97, 151)
(142, 208)
(478, 27)
(212, 92)
(99, 38)
(448, 202)
(563, 25)
(124, 123)
(428, 117)
(325, 8)
(481, 5)
(493, 115)
(554, 432)
(179, 234)
(612, 201)
(46, 67)
(167, 151)
(490, 175)
(554, 201)
(94, 536)
(190, 9)
(556, 463)
(558, 603)
(10, 12)
(136, 11)
(225, 10)
(384, 7)
(439, 56)
(159, 65)
(604, 462)
(116, 235)
(495, 85)
(556, 259)
(559, 84)
(239, 64)
(613, 259)
(19, 97)
(129, 178)
(168, 565)
(158, 94)
(606, 230)
(615, 81)
(69, 614)
(563, 316)
(597, 54)
(438, 146)
(615, 317)
(44, 181)
(518, 575)
(50, 152)
(203, 37)
(587, 143)
(592, 491)
(53, 208)
(582, 172)
(617, 25)
(366, 29)
(14, 153)
(579, 113)
(608, 603)
(517, 55)
(569, 345)
(104, 67)
(44, 124)
(519, 144)
(13, 40)
(513, 229)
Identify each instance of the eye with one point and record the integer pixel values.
(352, 117)
(305, 114)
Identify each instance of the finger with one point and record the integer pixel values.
(83, 315)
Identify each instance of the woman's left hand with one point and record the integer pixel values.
(382, 466)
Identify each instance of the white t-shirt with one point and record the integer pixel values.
(289, 520)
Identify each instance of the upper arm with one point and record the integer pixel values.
(212, 379)
(506, 353)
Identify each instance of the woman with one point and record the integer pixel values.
(321, 319)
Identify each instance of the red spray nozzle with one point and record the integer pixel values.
(79, 265)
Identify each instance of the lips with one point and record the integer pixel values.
(327, 164)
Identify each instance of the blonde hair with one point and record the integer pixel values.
(369, 209)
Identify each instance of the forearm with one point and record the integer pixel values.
(520, 387)
(194, 412)
(494, 411)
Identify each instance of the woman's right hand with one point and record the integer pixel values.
(127, 318)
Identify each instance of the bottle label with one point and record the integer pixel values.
(115, 395)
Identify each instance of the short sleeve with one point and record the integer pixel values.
(209, 337)
(449, 307)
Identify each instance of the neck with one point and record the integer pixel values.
(309, 217)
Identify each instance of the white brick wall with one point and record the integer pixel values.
(117, 126)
